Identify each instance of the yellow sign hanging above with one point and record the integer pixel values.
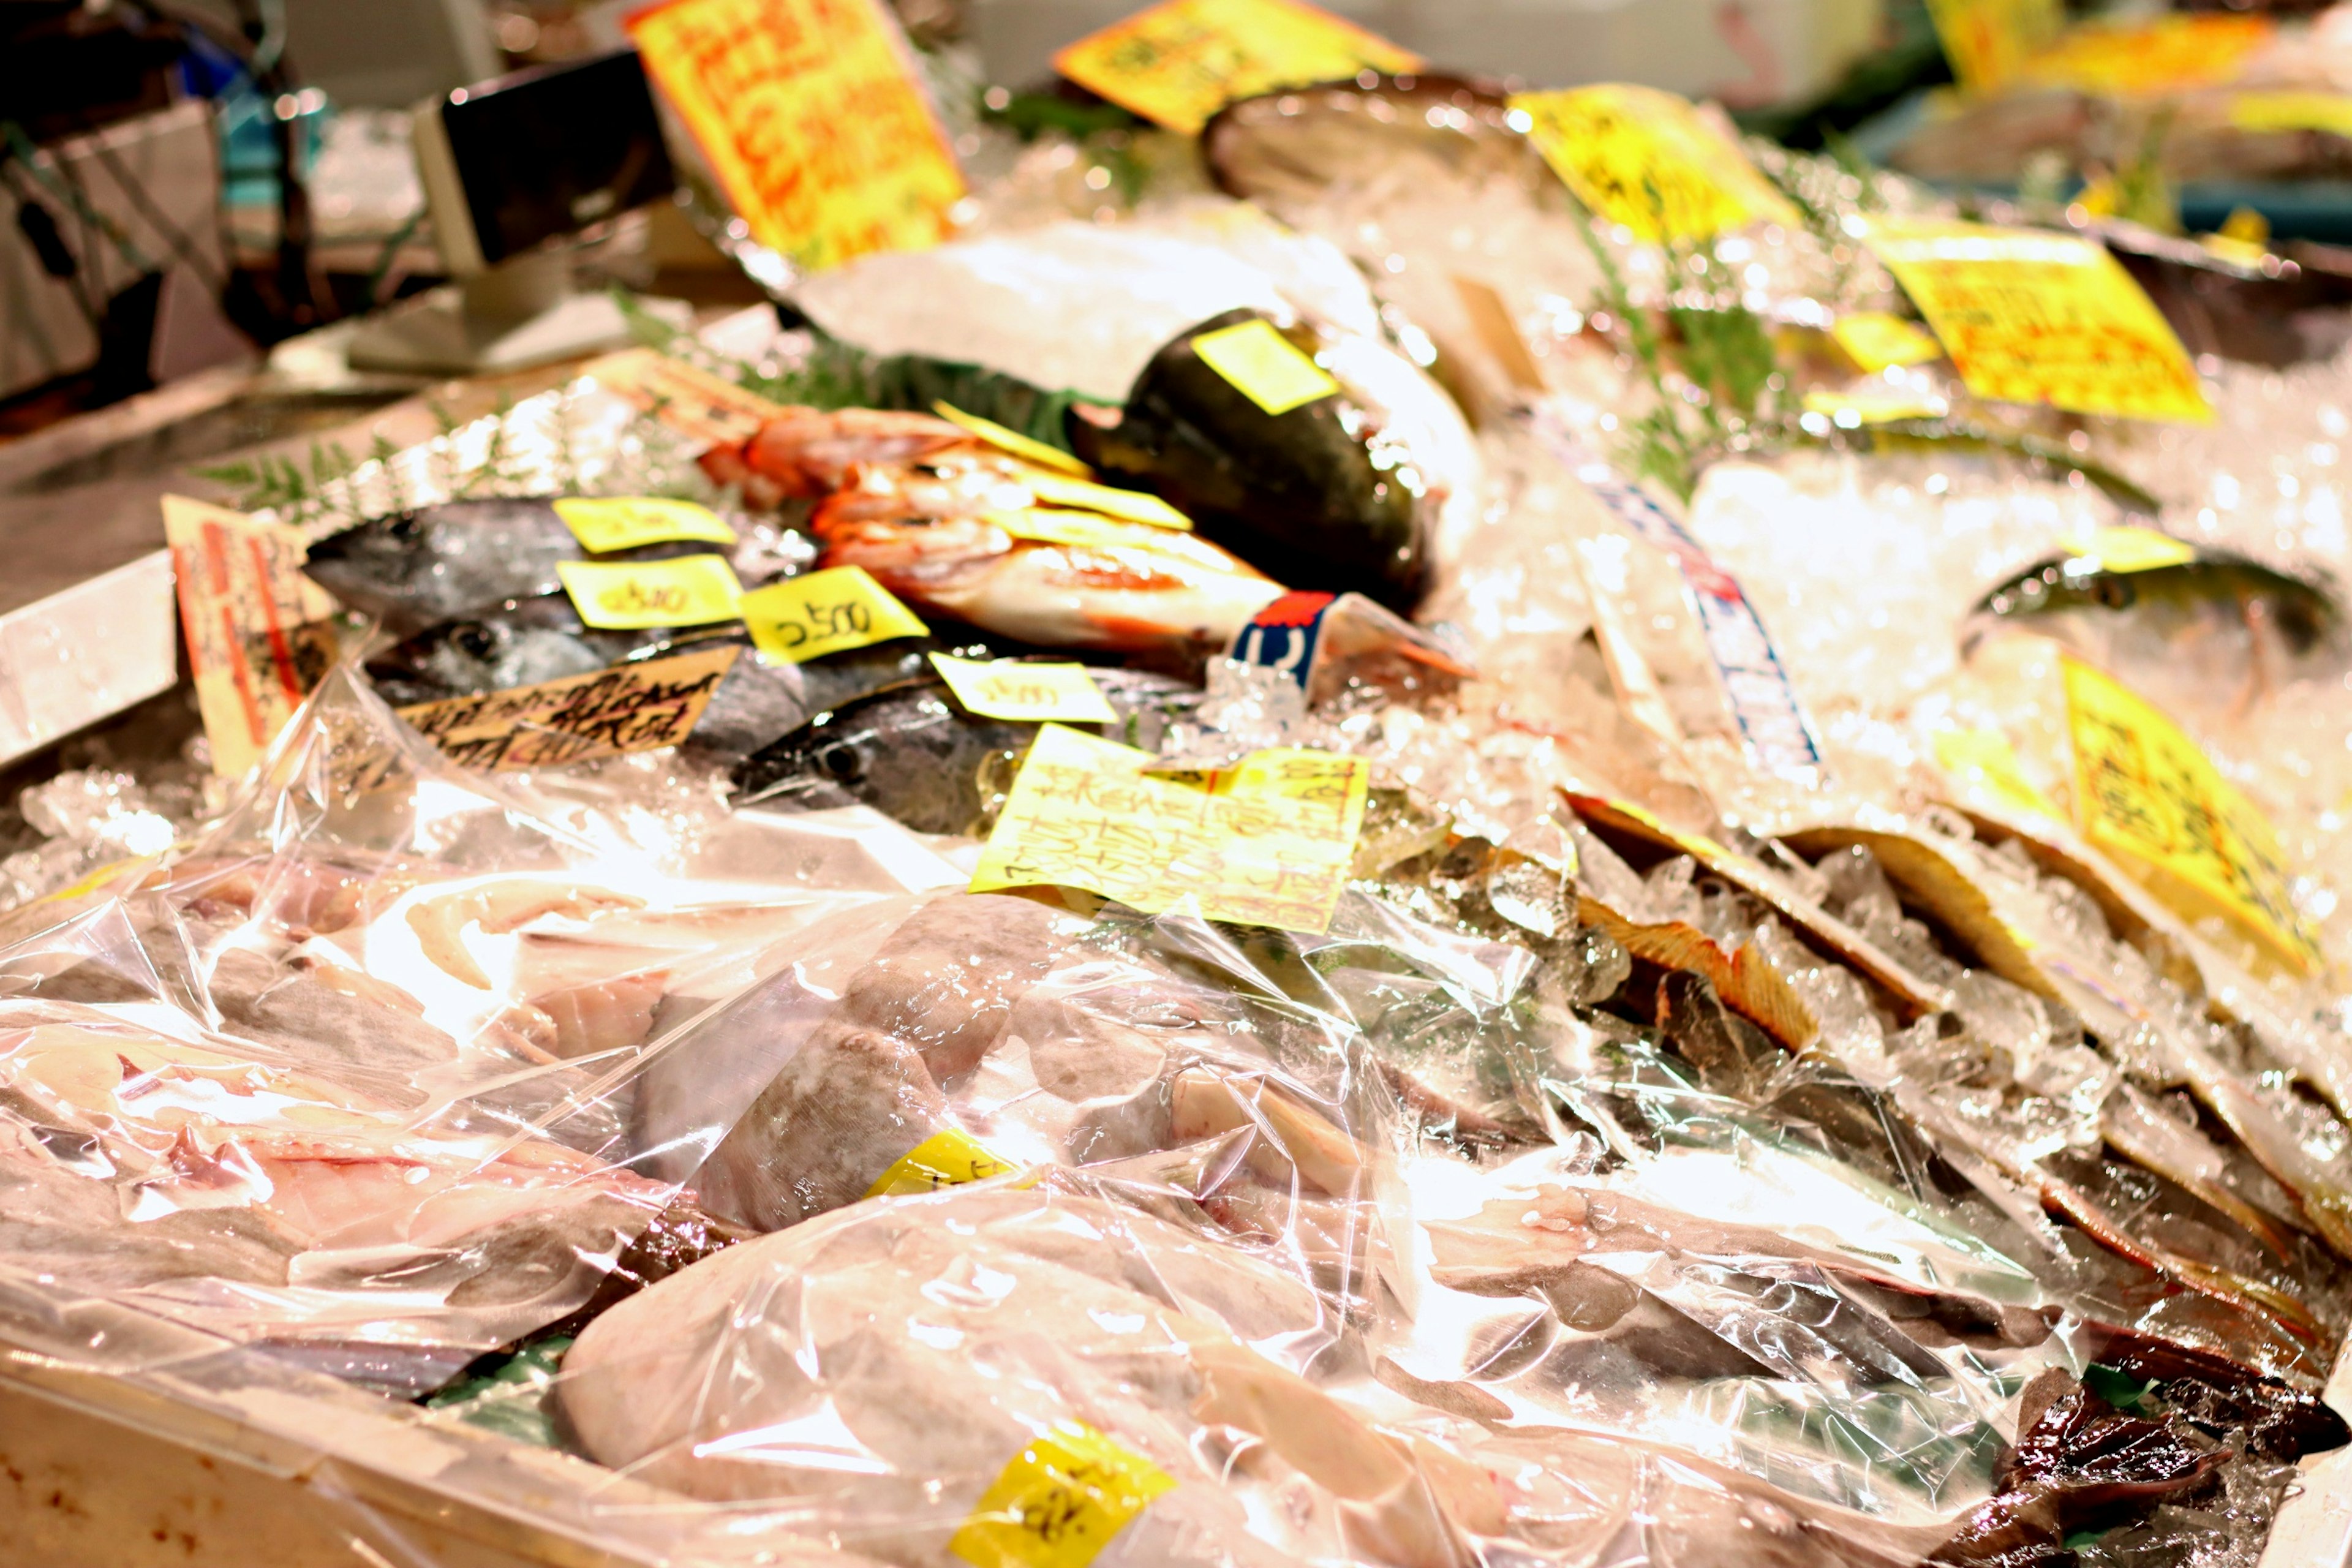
(812, 118)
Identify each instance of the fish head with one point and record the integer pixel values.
(417, 567)
(909, 751)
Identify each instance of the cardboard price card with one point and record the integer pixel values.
(688, 399)
(818, 613)
(1058, 1501)
(257, 631)
(607, 523)
(636, 707)
(2147, 794)
(2028, 316)
(1267, 843)
(1645, 160)
(1025, 691)
(1178, 63)
(812, 118)
(1987, 42)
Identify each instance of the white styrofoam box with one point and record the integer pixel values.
(1740, 51)
(75, 656)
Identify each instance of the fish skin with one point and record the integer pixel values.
(1300, 495)
(2304, 614)
(913, 753)
(437, 563)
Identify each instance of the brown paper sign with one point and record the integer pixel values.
(636, 707)
(257, 630)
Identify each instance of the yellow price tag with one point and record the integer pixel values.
(1084, 529)
(1267, 843)
(1986, 759)
(947, 1159)
(607, 523)
(810, 114)
(2163, 54)
(818, 613)
(2145, 793)
(2328, 111)
(1644, 159)
(631, 595)
(2132, 549)
(1033, 693)
(1059, 1502)
(2034, 316)
(1876, 341)
(1178, 63)
(1133, 506)
(1987, 42)
(1013, 443)
(1266, 367)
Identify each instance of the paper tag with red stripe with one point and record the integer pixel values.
(257, 631)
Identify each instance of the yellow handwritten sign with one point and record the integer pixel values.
(640, 706)
(951, 1158)
(1266, 367)
(2162, 54)
(630, 595)
(2034, 316)
(258, 632)
(1013, 443)
(2146, 793)
(1644, 159)
(1266, 843)
(812, 118)
(818, 613)
(1987, 42)
(1026, 692)
(1877, 340)
(687, 398)
(607, 523)
(1059, 1502)
(1178, 63)
(1985, 759)
(1134, 506)
(2127, 548)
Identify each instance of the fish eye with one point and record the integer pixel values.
(475, 638)
(840, 760)
(408, 526)
(2112, 592)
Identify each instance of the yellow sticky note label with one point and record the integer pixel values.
(2163, 54)
(2031, 316)
(1644, 159)
(1133, 506)
(2147, 794)
(630, 595)
(1017, 689)
(1875, 339)
(607, 523)
(811, 115)
(1266, 367)
(1987, 42)
(1178, 63)
(1013, 443)
(1059, 1502)
(1985, 758)
(2132, 549)
(2328, 111)
(819, 613)
(947, 1159)
(1082, 529)
(1267, 843)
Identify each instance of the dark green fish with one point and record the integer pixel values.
(1317, 496)
(913, 753)
(2171, 600)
